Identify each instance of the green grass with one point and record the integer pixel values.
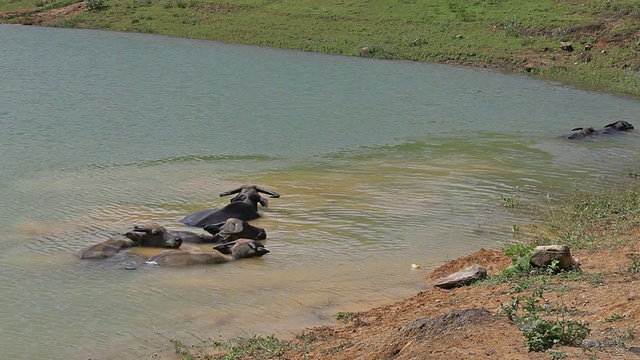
(591, 220)
(583, 221)
(497, 33)
(533, 315)
(257, 347)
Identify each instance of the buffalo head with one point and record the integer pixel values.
(242, 248)
(233, 229)
(582, 132)
(620, 125)
(251, 194)
(153, 235)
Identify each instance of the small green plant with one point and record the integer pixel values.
(634, 267)
(343, 315)
(96, 5)
(257, 347)
(541, 334)
(553, 268)
(512, 28)
(512, 201)
(613, 317)
(557, 355)
(346, 317)
(343, 345)
(181, 349)
(461, 11)
(520, 260)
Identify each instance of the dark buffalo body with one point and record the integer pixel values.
(243, 206)
(616, 128)
(581, 133)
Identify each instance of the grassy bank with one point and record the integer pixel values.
(502, 34)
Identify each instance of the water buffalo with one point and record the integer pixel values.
(233, 229)
(616, 128)
(193, 238)
(584, 132)
(243, 206)
(240, 249)
(149, 235)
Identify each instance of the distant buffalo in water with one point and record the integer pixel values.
(148, 235)
(582, 132)
(243, 206)
(616, 128)
(237, 249)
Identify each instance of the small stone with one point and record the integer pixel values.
(462, 278)
(545, 255)
(566, 46)
(590, 343)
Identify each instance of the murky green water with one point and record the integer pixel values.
(380, 165)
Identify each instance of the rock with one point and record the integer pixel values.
(462, 277)
(586, 56)
(566, 46)
(428, 327)
(591, 343)
(530, 67)
(364, 51)
(544, 255)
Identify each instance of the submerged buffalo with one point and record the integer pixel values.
(243, 206)
(148, 235)
(238, 249)
(233, 229)
(616, 128)
(582, 132)
(193, 238)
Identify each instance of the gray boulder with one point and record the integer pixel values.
(545, 255)
(462, 277)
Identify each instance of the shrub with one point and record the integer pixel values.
(96, 5)
(539, 333)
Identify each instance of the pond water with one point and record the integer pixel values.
(380, 165)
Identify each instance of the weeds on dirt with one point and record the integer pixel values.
(182, 350)
(343, 345)
(614, 317)
(530, 313)
(634, 267)
(618, 337)
(354, 317)
(257, 347)
(512, 201)
(96, 5)
(557, 355)
(587, 214)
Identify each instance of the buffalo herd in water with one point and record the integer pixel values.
(586, 132)
(228, 229)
